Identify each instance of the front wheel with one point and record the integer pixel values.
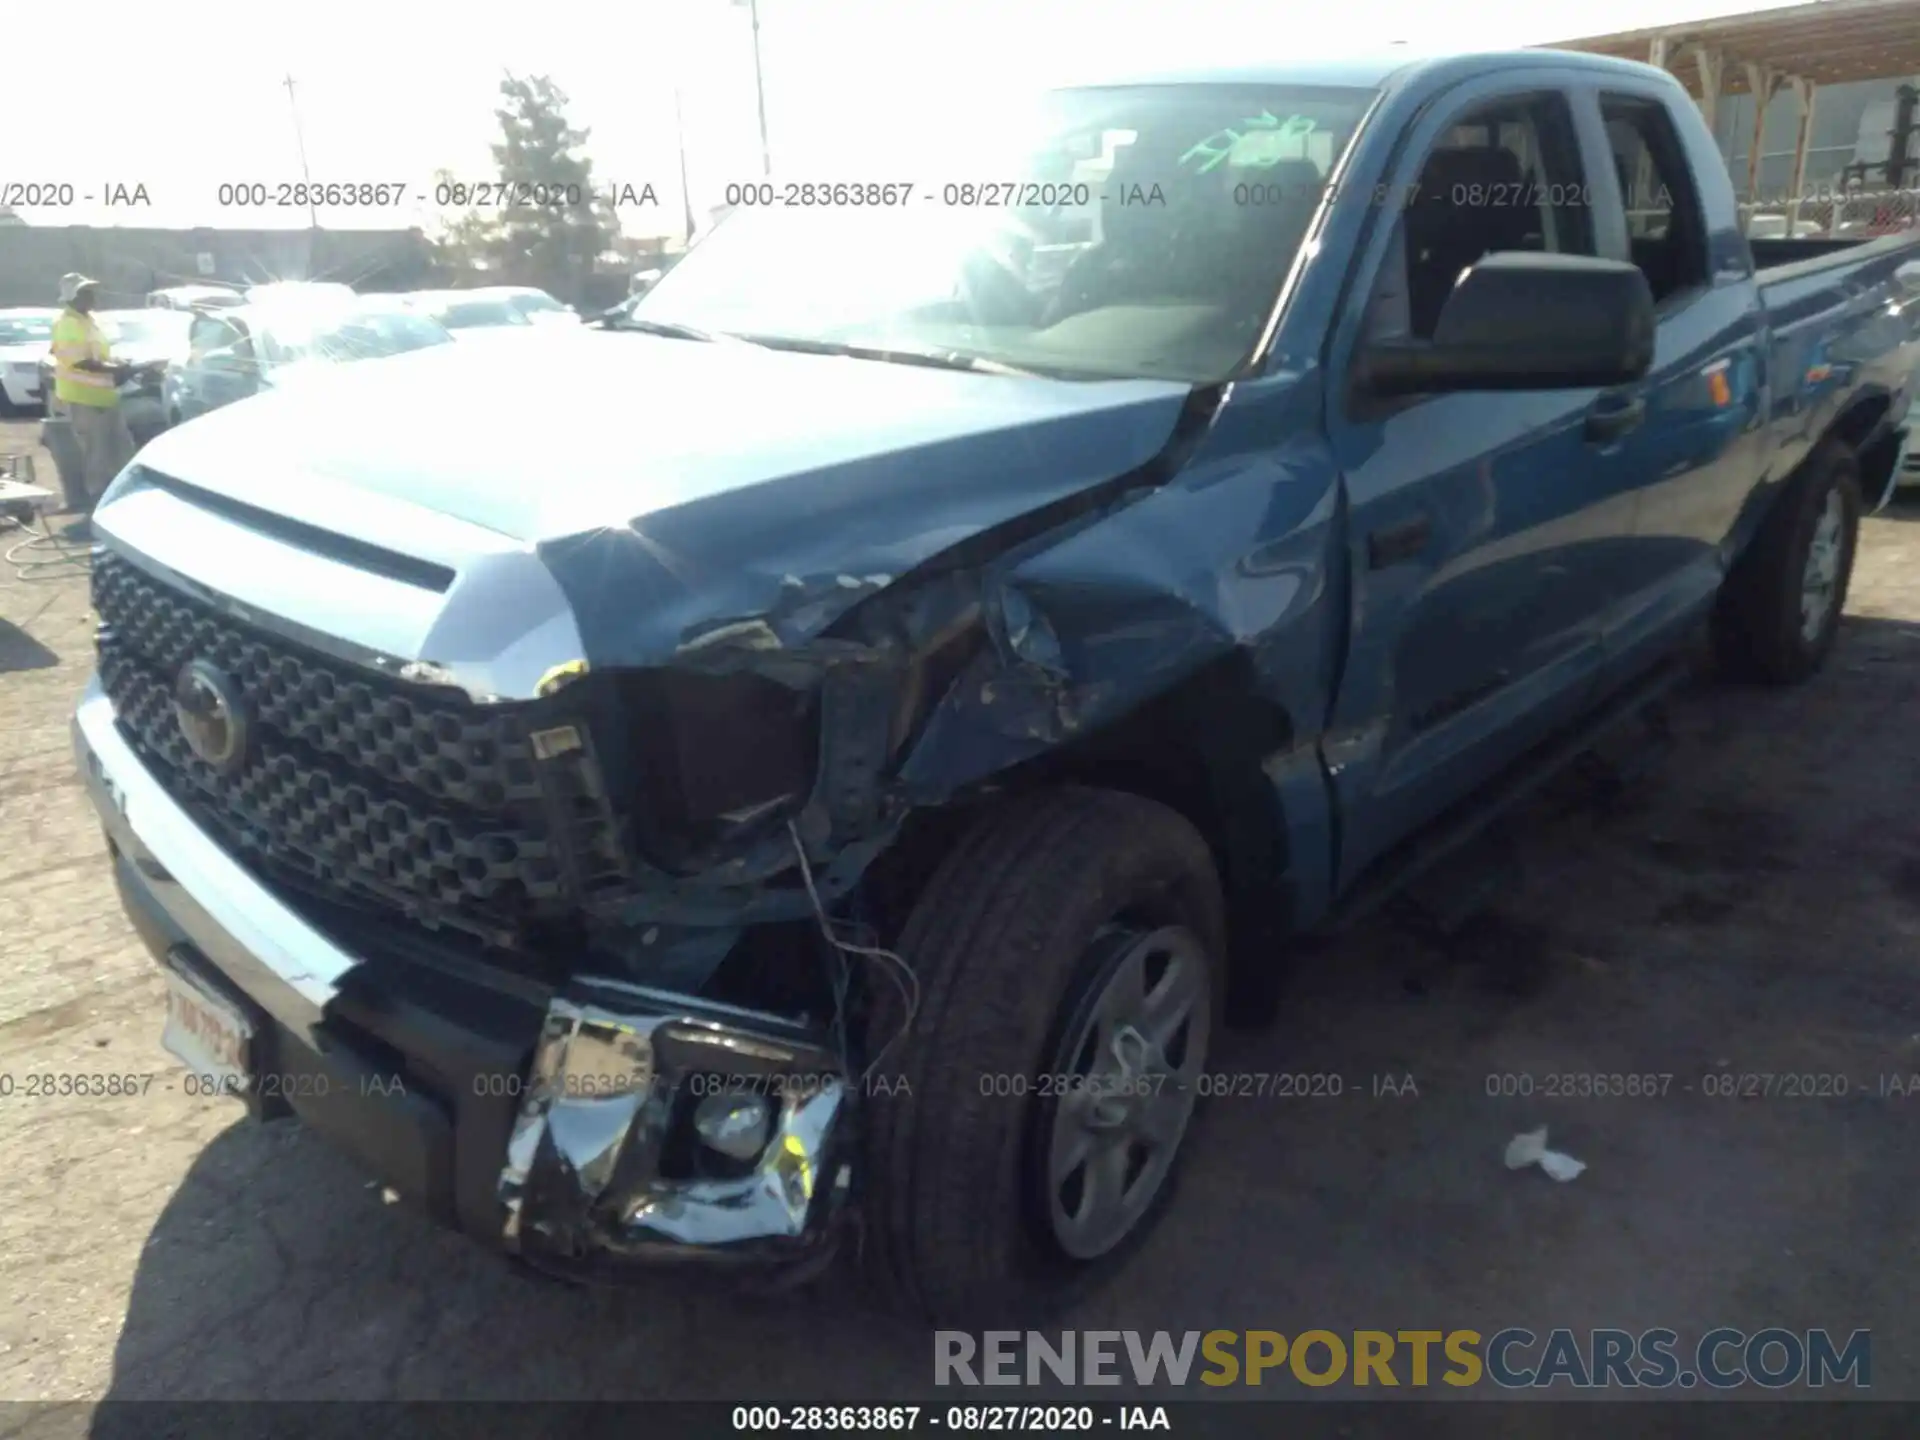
(1779, 611)
(1030, 1131)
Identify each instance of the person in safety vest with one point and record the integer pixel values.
(86, 384)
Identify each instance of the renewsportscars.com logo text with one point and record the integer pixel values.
(1512, 1359)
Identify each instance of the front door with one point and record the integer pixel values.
(1482, 526)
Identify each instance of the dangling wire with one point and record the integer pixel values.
(897, 971)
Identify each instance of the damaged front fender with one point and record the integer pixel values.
(1022, 638)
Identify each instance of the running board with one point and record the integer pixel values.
(1418, 855)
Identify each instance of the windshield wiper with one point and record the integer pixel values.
(666, 328)
(934, 359)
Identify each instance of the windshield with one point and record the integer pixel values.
(1134, 231)
(536, 302)
(25, 330)
(361, 334)
(474, 314)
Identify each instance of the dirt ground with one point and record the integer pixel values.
(1750, 907)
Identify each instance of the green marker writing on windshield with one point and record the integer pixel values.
(1264, 142)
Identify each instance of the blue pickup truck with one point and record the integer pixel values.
(819, 786)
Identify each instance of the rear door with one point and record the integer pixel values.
(1482, 525)
(1693, 461)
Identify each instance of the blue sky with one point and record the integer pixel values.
(182, 101)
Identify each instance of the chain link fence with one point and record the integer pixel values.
(1840, 214)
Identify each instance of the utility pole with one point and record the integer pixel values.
(680, 136)
(759, 87)
(300, 145)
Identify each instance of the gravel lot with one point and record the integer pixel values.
(1752, 905)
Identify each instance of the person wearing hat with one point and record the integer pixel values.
(86, 383)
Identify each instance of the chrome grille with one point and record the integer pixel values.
(355, 784)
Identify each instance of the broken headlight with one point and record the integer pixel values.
(709, 753)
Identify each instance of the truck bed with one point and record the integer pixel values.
(1845, 322)
(1816, 252)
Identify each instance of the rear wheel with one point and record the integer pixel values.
(1780, 609)
(1029, 1129)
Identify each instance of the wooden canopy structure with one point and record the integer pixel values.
(1761, 53)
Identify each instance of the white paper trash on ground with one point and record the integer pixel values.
(1531, 1149)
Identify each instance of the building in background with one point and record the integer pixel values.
(129, 262)
(1841, 77)
(1852, 125)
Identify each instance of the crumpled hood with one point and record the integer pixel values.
(672, 485)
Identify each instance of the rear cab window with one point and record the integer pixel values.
(1666, 230)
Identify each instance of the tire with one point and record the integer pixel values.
(1762, 630)
(1013, 940)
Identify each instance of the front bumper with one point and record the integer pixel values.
(553, 1126)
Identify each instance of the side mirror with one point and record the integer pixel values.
(1519, 320)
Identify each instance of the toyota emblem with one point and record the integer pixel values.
(211, 716)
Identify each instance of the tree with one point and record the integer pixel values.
(553, 229)
(541, 222)
(468, 237)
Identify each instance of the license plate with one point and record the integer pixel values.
(208, 1035)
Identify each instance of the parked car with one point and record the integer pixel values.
(274, 290)
(140, 336)
(843, 808)
(151, 340)
(189, 297)
(465, 313)
(239, 351)
(25, 336)
(536, 305)
(154, 341)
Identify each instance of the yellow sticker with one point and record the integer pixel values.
(560, 675)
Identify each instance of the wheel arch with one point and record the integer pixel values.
(1864, 428)
(1198, 748)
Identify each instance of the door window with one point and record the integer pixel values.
(1664, 227)
(210, 341)
(1507, 176)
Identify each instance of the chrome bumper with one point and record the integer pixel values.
(614, 1073)
(614, 1062)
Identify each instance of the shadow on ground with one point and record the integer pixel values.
(20, 651)
(1749, 908)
